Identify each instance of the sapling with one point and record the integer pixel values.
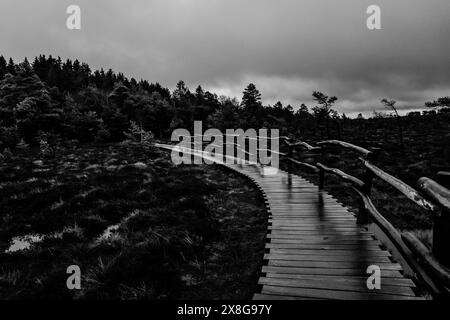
(391, 104)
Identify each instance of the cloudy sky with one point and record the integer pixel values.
(288, 48)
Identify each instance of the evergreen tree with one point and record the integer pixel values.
(251, 96)
(26, 103)
(3, 65)
(163, 92)
(181, 92)
(251, 103)
(199, 95)
(109, 79)
(11, 67)
(119, 94)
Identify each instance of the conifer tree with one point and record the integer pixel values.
(3, 66)
(11, 68)
(251, 96)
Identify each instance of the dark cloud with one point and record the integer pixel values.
(286, 47)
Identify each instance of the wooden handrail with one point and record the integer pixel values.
(346, 145)
(302, 144)
(395, 237)
(353, 180)
(381, 222)
(441, 225)
(435, 191)
(272, 151)
(304, 164)
(439, 271)
(405, 189)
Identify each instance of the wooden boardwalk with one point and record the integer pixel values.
(314, 248)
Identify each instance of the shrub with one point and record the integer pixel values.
(22, 145)
(7, 154)
(9, 136)
(103, 134)
(136, 134)
(82, 125)
(45, 148)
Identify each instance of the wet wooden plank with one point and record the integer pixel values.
(401, 282)
(337, 238)
(316, 233)
(262, 297)
(317, 223)
(329, 271)
(314, 210)
(345, 284)
(332, 264)
(332, 294)
(309, 222)
(316, 228)
(322, 246)
(321, 232)
(367, 258)
(360, 243)
(304, 221)
(302, 217)
(344, 254)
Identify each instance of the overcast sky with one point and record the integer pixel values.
(288, 48)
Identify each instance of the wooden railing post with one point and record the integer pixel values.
(321, 169)
(441, 225)
(441, 237)
(290, 155)
(363, 216)
(372, 157)
(321, 179)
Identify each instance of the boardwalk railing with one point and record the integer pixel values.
(432, 268)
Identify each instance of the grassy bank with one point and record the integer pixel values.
(191, 232)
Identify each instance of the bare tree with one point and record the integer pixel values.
(324, 109)
(391, 104)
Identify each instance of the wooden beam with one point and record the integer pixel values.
(405, 189)
(304, 165)
(395, 237)
(441, 225)
(435, 191)
(444, 173)
(303, 144)
(353, 180)
(437, 270)
(346, 145)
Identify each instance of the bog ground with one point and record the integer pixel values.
(137, 226)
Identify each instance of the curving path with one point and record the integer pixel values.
(314, 248)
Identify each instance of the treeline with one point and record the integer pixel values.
(67, 100)
(54, 100)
